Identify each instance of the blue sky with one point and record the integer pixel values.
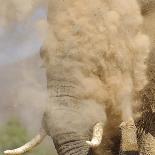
(21, 40)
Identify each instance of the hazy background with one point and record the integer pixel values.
(21, 74)
(23, 93)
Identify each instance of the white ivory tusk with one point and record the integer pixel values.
(29, 145)
(97, 135)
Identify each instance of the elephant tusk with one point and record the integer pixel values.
(29, 145)
(97, 135)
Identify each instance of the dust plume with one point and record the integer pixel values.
(94, 56)
(101, 48)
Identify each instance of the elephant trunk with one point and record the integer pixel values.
(71, 143)
(74, 143)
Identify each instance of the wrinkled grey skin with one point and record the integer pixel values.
(73, 142)
(67, 141)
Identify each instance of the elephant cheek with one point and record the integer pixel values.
(71, 143)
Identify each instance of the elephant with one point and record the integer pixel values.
(95, 58)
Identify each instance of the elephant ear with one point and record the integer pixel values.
(146, 124)
(71, 143)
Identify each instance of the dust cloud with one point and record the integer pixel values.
(23, 91)
(101, 48)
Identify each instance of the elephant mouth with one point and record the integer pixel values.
(71, 143)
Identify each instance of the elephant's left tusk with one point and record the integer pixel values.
(97, 135)
(29, 145)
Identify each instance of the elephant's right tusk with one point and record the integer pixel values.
(29, 145)
(97, 135)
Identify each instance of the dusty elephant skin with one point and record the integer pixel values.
(94, 57)
(86, 69)
(146, 125)
(71, 143)
(130, 153)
